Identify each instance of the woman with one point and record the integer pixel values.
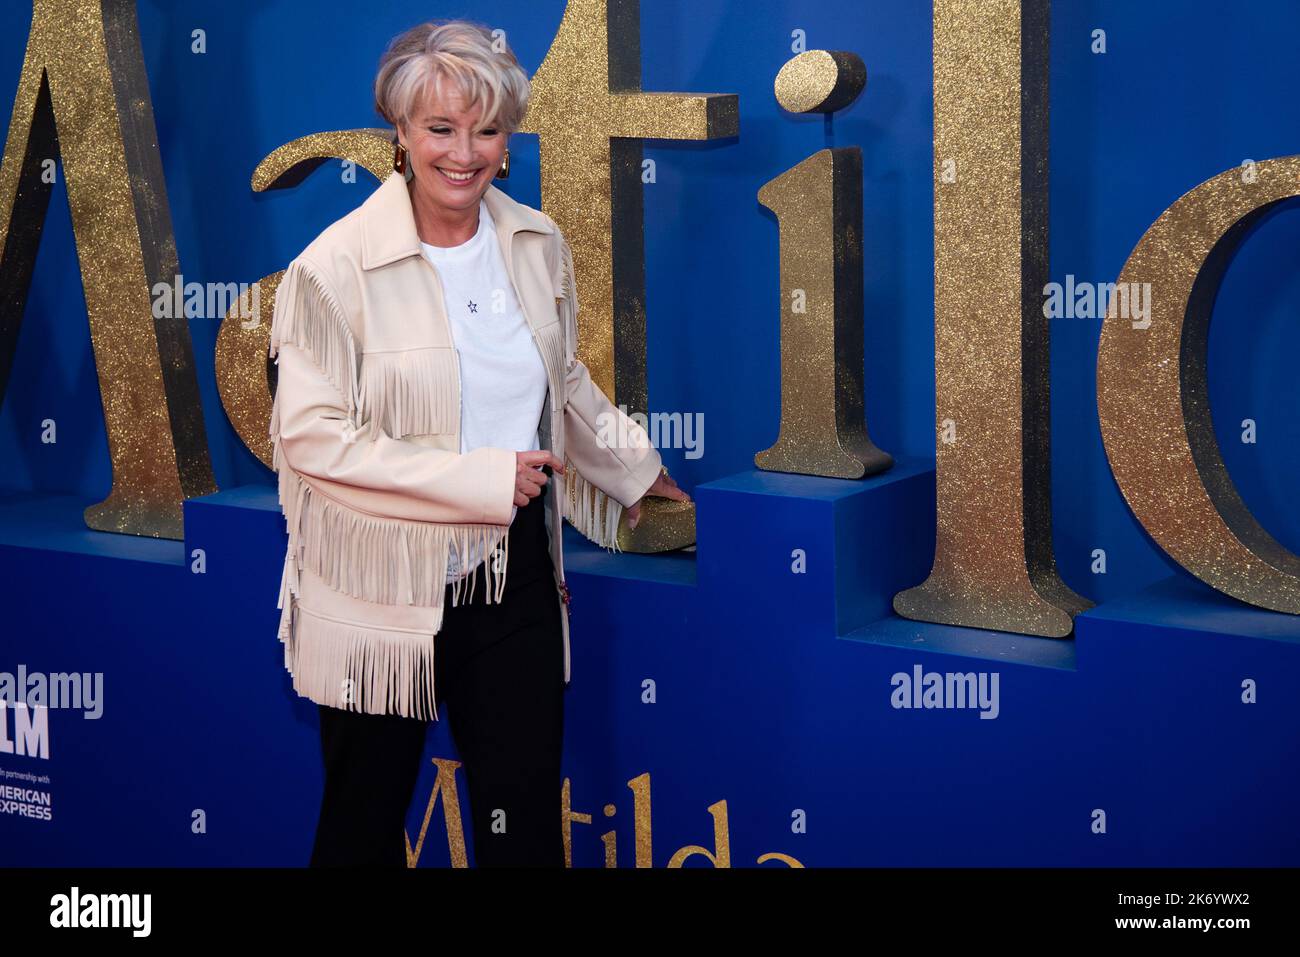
(427, 399)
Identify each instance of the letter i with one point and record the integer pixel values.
(610, 840)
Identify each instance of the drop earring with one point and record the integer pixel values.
(400, 156)
(504, 171)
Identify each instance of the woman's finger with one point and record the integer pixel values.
(665, 487)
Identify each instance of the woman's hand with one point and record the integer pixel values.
(529, 477)
(664, 487)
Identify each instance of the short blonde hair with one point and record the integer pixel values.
(483, 67)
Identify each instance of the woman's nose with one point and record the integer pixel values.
(462, 151)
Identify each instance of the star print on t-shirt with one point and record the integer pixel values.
(473, 307)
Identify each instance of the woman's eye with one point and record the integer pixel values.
(490, 131)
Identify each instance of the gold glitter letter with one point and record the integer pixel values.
(993, 564)
(1152, 397)
(590, 113)
(84, 65)
(245, 371)
(444, 783)
(818, 205)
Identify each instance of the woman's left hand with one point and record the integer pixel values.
(664, 487)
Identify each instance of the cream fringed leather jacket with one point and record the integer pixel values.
(365, 427)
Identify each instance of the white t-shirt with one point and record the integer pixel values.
(502, 377)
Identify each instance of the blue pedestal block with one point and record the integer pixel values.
(1196, 698)
(719, 700)
(200, 757)
(835, 551)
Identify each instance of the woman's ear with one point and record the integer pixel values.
(401, 136)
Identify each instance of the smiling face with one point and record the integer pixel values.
(454, 162)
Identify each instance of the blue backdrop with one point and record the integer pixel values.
(771, 690)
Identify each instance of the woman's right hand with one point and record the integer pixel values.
(529, 477)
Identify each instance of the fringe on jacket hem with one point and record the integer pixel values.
(342, 665)
(376, 670)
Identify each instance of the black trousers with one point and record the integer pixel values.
(500, 681)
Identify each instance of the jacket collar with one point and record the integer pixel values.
(388, 222)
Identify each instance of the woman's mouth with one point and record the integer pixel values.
(458, 178)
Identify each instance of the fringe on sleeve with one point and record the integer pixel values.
(307, 315)
(588, 508)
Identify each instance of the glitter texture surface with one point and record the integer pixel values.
(84, 65)
(591, 114)
(245, 373)
(1152, 397)
(993, 565)
(820, 81)
(823, 427)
